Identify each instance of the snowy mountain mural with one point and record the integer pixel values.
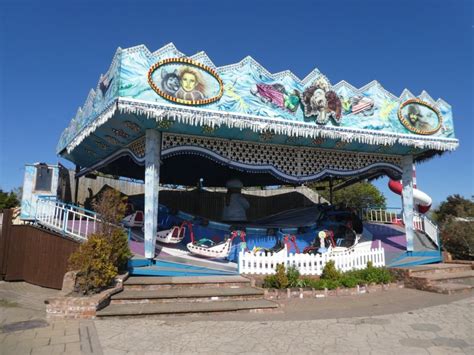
(249, 89)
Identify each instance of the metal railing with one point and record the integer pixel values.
(381, 215)
(394, 216)
(67, 219)
(427, 226)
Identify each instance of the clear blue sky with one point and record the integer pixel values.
(52, 54)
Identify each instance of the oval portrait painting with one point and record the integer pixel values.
(184, 81)
(420, 117)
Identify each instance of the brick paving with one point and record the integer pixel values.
(25, 330)
(394, 322)
(442, 329)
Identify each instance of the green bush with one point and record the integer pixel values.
(281, 278)
(93, 261)
(293, 276)
(270, 282)
(350, 280)
(105, 253)
(331, 278)
(278, 280)
(330, 272)
(120, 251)
(318, 284)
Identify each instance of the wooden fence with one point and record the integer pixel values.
(211, 204)
(34, 255)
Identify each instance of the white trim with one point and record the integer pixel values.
(195, 116)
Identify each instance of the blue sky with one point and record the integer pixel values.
(52, 54)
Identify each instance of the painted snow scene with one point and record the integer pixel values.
(248, 89)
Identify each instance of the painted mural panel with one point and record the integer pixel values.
(420, 117)
(185, 81)
(248, 88)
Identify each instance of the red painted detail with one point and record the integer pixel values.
(138, 216)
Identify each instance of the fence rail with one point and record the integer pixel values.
(393, 216)
(67, 219)
(309, 264)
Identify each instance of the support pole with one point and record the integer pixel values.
(76, 184)
(407, 198)
(330, 190)
(152, 181)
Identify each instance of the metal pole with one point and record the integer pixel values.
(76, 189)
(152, 181)
(330, 190)
(407, 194)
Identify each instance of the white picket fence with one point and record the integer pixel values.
(262, 263)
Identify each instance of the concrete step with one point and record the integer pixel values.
(187, 295)
(438, 269)
(450, 288)
(142, 309)
(446, 276)
(156, 283)
(434, 268)
(167, 271)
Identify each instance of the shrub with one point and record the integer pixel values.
(120, 249)
(350, 280)
(94, 264)
(318, 284)
(330, 272)
(457, 237)
(278, 280)
(99, 259)
(293, 276)
(281, 278)
(270, 282)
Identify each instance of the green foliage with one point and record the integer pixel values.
(111, 207)
(93, 261)
(331, 278)
(120, 251)
(330, 272)
(293, 276)
(8, 200)
(457, 237)
(350, 280)
(104, 254)
(455, 217)
(358, 196)
(454, 206)
(281, 278)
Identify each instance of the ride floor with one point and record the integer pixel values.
(392, 238)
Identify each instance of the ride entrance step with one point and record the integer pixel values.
(144, 282)
(440, 278)
(181, 295)
(142, 309)
(187, 295)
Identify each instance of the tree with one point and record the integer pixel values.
(8, 200)
(455, 217)
(454, 206)
(358, 196)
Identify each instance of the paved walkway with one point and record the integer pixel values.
(24, 329)
(444, 329)
(393, 322)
